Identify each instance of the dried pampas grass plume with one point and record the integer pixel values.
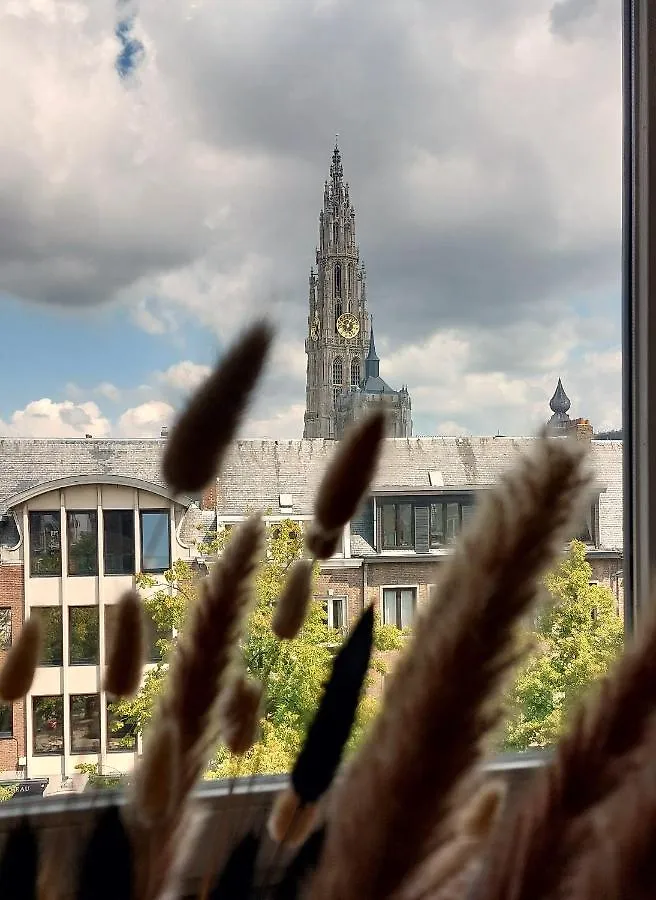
(208, 644)
(542, 836)
(350, 472)
(204, 430)
(157, 778)
(17, 673)
(294, 600)
(322, 544)
(127, 653)
(443, 698)
(240, 706)
(291, 821)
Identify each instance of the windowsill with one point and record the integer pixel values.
(85, 752)
(122, 749)
(6, 736)
(82, 575)
(44, 754)
(155, 571)
(45, 575)
(47, 665)
(119, 574)
(85, 664)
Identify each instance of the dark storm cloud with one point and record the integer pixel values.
(272, 83)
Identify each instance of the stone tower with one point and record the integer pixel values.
(338, 325)
(338, 340)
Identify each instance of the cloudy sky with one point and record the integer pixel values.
(161, 174)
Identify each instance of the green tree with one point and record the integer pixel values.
(294, 671)
(576, 638)
(6, 792)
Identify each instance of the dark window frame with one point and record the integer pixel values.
(148, 512)
(82, 662)
(6, 644)
(35, 700)
(93, 514)
(386, 589)
(33, 515)
(71, 700)
(445, 502)
(381, 528)
(107, 514)
(4, 733)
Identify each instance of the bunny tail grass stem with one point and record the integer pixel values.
(17, 673)
(127, 653)
(206, 427)
(532, 854)
(444, 696)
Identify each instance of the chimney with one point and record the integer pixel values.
(88, 436)
(582, 429)
(164, 432)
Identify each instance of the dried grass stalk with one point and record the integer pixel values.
(240, 706)
(322, 544)
(618, 858)
(537, 846)
(472, 828)
(127, 653)
(294, 600)
(291, 821)
(350, 472)
(17, 673)
(157, 779)
(206, 427)
(444, 696)
(208, 645)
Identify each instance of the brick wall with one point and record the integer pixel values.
(11, 595)
(343, 583)
(605, 572)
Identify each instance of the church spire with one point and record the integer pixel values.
(372, 362)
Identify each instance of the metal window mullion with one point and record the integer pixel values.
(639, 306)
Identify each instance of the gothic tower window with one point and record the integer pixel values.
(355, 373)
(338, 311)
(335, 233)
(338, 371)
(338, 280)
(349, 276)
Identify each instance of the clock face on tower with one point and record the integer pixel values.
(348, 325)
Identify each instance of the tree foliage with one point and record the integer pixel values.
(576, 636)
(294, 672)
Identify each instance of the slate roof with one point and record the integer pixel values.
(26, 463)
(256, 473)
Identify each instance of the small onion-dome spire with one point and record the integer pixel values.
(560, 402)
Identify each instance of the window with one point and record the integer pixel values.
(397, 526)
(45, 543)
(338, 311)
(355, 373)
(5, 627)
(337, 392)
(48, 725)
(121, 734)
(6, 720)
(336, 613)
(338, 280)
(338, 371)
(52, 651)
(153, 637)
(85, 723)
(350, 268)
(118, 540)
(446, 520)
(82, 537)
(83, 639)
(155, 540)
(335, 233)
(399, 606)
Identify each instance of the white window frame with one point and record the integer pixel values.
(395, 587)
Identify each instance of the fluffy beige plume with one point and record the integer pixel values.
(533, 854)
(349, 472)
(292, 606)
(444, 697)
(322, 544)
(208, 424)
(291, 822)
(17, 673)
(127, 653)
(157, 779)
(239, 711)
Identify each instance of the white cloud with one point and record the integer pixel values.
(145, 420)
(184, 376)
(47, 418)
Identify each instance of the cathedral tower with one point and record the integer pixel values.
(342, 366)
(338, 325)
